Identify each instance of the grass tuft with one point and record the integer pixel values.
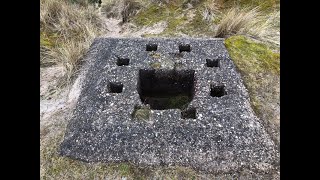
(251, 22)
(236, 21)
(66, 31)
(123, 9)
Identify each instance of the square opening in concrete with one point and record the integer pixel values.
(189, 113)
(151, 47)
(166, 89)
(212, 62)
(115, 87)
(123, 61)
(217, 90)
(184, 47)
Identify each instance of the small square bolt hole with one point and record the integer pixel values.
(212, 62)
(189, 113)
(123, 61)
(115, 87)
(151, 47)
(184, 47)
(217, 91)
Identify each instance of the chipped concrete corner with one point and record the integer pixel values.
(212, 128)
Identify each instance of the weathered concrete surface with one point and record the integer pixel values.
(225, 137)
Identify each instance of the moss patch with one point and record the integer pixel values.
(178, 101)
(141, 113)
(151, 15)
(260, 69)
(176, 17)
(197, 25)
(251, 56)
(174, 25)
(179, 22)
(155, 65)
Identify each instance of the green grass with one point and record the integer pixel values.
(265, 5)
(260, 70)
(252, 57)
(174, 25)
(151, 15)
(176, 18)
(197, 26)
(179, 21)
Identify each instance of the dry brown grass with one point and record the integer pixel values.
(268, 28)
(66, 32)
(212, 18)
(250, 22)
(211, 9)
(236, 21)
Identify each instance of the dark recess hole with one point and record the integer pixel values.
(189, 114)
(123, 61)
(115, 87)
(184, 47)
(217, 91)
(151, 47)
(166, 89)
(212, 62)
